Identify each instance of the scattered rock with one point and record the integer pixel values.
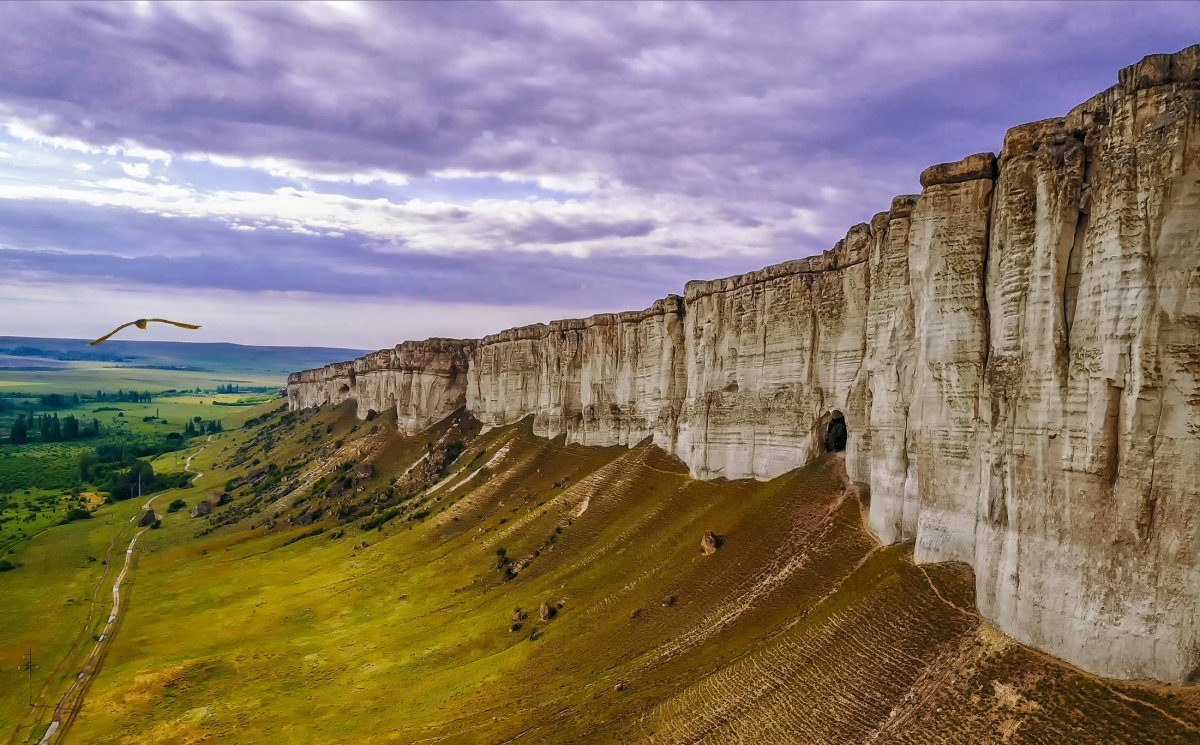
(709, 543)
(201, 509)
(547, 611)
(533, 635)
(148, 519)
(619, 687)
(668, 601)
(635, 613)
(515, 627)
(519, 615)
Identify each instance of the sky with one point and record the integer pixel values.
(357, 174)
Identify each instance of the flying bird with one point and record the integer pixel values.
(141, 323)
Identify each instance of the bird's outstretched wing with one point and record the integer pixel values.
(173, 323)
(110, 333)
(141, 323)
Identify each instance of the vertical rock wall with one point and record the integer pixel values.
(768, 357)
(1016, 352)
(424, 381)
(611, 379)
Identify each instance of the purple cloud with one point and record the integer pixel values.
(342, 149)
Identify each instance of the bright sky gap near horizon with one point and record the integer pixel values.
(355, 174)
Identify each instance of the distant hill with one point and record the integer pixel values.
(17, 352)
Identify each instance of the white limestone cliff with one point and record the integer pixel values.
(423, 381)
(1015, 350)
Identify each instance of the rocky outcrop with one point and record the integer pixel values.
(611, 379)
(1014, 354)
(423, 381)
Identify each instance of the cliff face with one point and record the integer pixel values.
(1015, 351)
(424, 381)
(769, 356)
(614, 378)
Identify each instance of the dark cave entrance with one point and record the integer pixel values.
(835, 433)
(344, 389)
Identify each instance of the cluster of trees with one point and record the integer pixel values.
(118, 470)
(133, 397)
(198, 426)
(140, 478)
(59, 401)
(228, 388)
(50, 428)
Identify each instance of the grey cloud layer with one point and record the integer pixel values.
(746, 112)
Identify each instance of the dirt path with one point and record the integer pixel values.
(71, 702)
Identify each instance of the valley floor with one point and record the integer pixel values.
(529, 591)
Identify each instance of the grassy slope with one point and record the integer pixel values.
(799, 629)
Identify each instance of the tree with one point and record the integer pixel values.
(86, 461)
(125, 484)
(20, 432)
(50, 428)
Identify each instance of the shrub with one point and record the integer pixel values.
(176, 505)
(302, 536)
(6, 565)
(76, 513)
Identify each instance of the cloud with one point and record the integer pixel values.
(562, 149)
(135, 170)
(620, 226)
(766, 100)
(257, 318)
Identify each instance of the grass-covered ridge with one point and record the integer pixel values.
(460, 586)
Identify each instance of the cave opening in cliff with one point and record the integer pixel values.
(835, 433)
(344, 389)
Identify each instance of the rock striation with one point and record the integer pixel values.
(1014, 354)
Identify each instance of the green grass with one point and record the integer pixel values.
(34, 465)
(25, 513)
(249, 626)
(48, 605)
(49, 472)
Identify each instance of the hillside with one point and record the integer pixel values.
(334, 602)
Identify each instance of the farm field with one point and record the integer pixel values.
(40, 481)
(460, 586)
(168, 364)
(90, 376)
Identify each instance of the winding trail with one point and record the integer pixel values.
(72, 700)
